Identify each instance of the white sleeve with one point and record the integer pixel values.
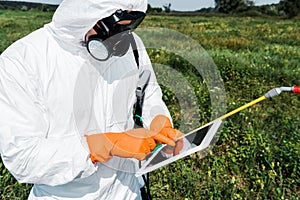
(25, 149)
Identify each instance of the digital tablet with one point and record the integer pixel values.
(196, 140)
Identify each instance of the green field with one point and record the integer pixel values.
(257, 154)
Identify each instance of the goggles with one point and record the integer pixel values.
(136, 17)
(113, 36)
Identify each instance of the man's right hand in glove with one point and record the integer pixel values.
(161, 126)
(135, 143)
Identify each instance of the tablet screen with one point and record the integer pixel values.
(192, 142)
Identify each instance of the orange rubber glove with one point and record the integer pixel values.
(165, 133)
(174, 150)
(135, 143)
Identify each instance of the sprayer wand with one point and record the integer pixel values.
(276, 91)
(272, 93)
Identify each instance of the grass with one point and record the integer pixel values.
(257, 154)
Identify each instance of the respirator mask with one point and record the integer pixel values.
(114, 34)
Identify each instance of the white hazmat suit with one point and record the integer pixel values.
(52, 92)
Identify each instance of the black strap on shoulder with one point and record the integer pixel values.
(134, 49)
(138, 110)
(138, 122)
(140, 94)
(145, 191)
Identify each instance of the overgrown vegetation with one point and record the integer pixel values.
(257, 155)
(258, 151)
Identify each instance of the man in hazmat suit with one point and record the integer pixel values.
(67, 93)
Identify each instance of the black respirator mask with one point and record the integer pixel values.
(112, 38)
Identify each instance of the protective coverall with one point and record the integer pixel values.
(52, 92)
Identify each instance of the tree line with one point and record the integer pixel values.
(26, 6)
(288, 8)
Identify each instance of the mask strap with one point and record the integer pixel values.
(135, 50)
(97, 29)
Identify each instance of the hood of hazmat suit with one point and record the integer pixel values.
(52, 92)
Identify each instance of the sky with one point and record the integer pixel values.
(180, 5)
(191, 5)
